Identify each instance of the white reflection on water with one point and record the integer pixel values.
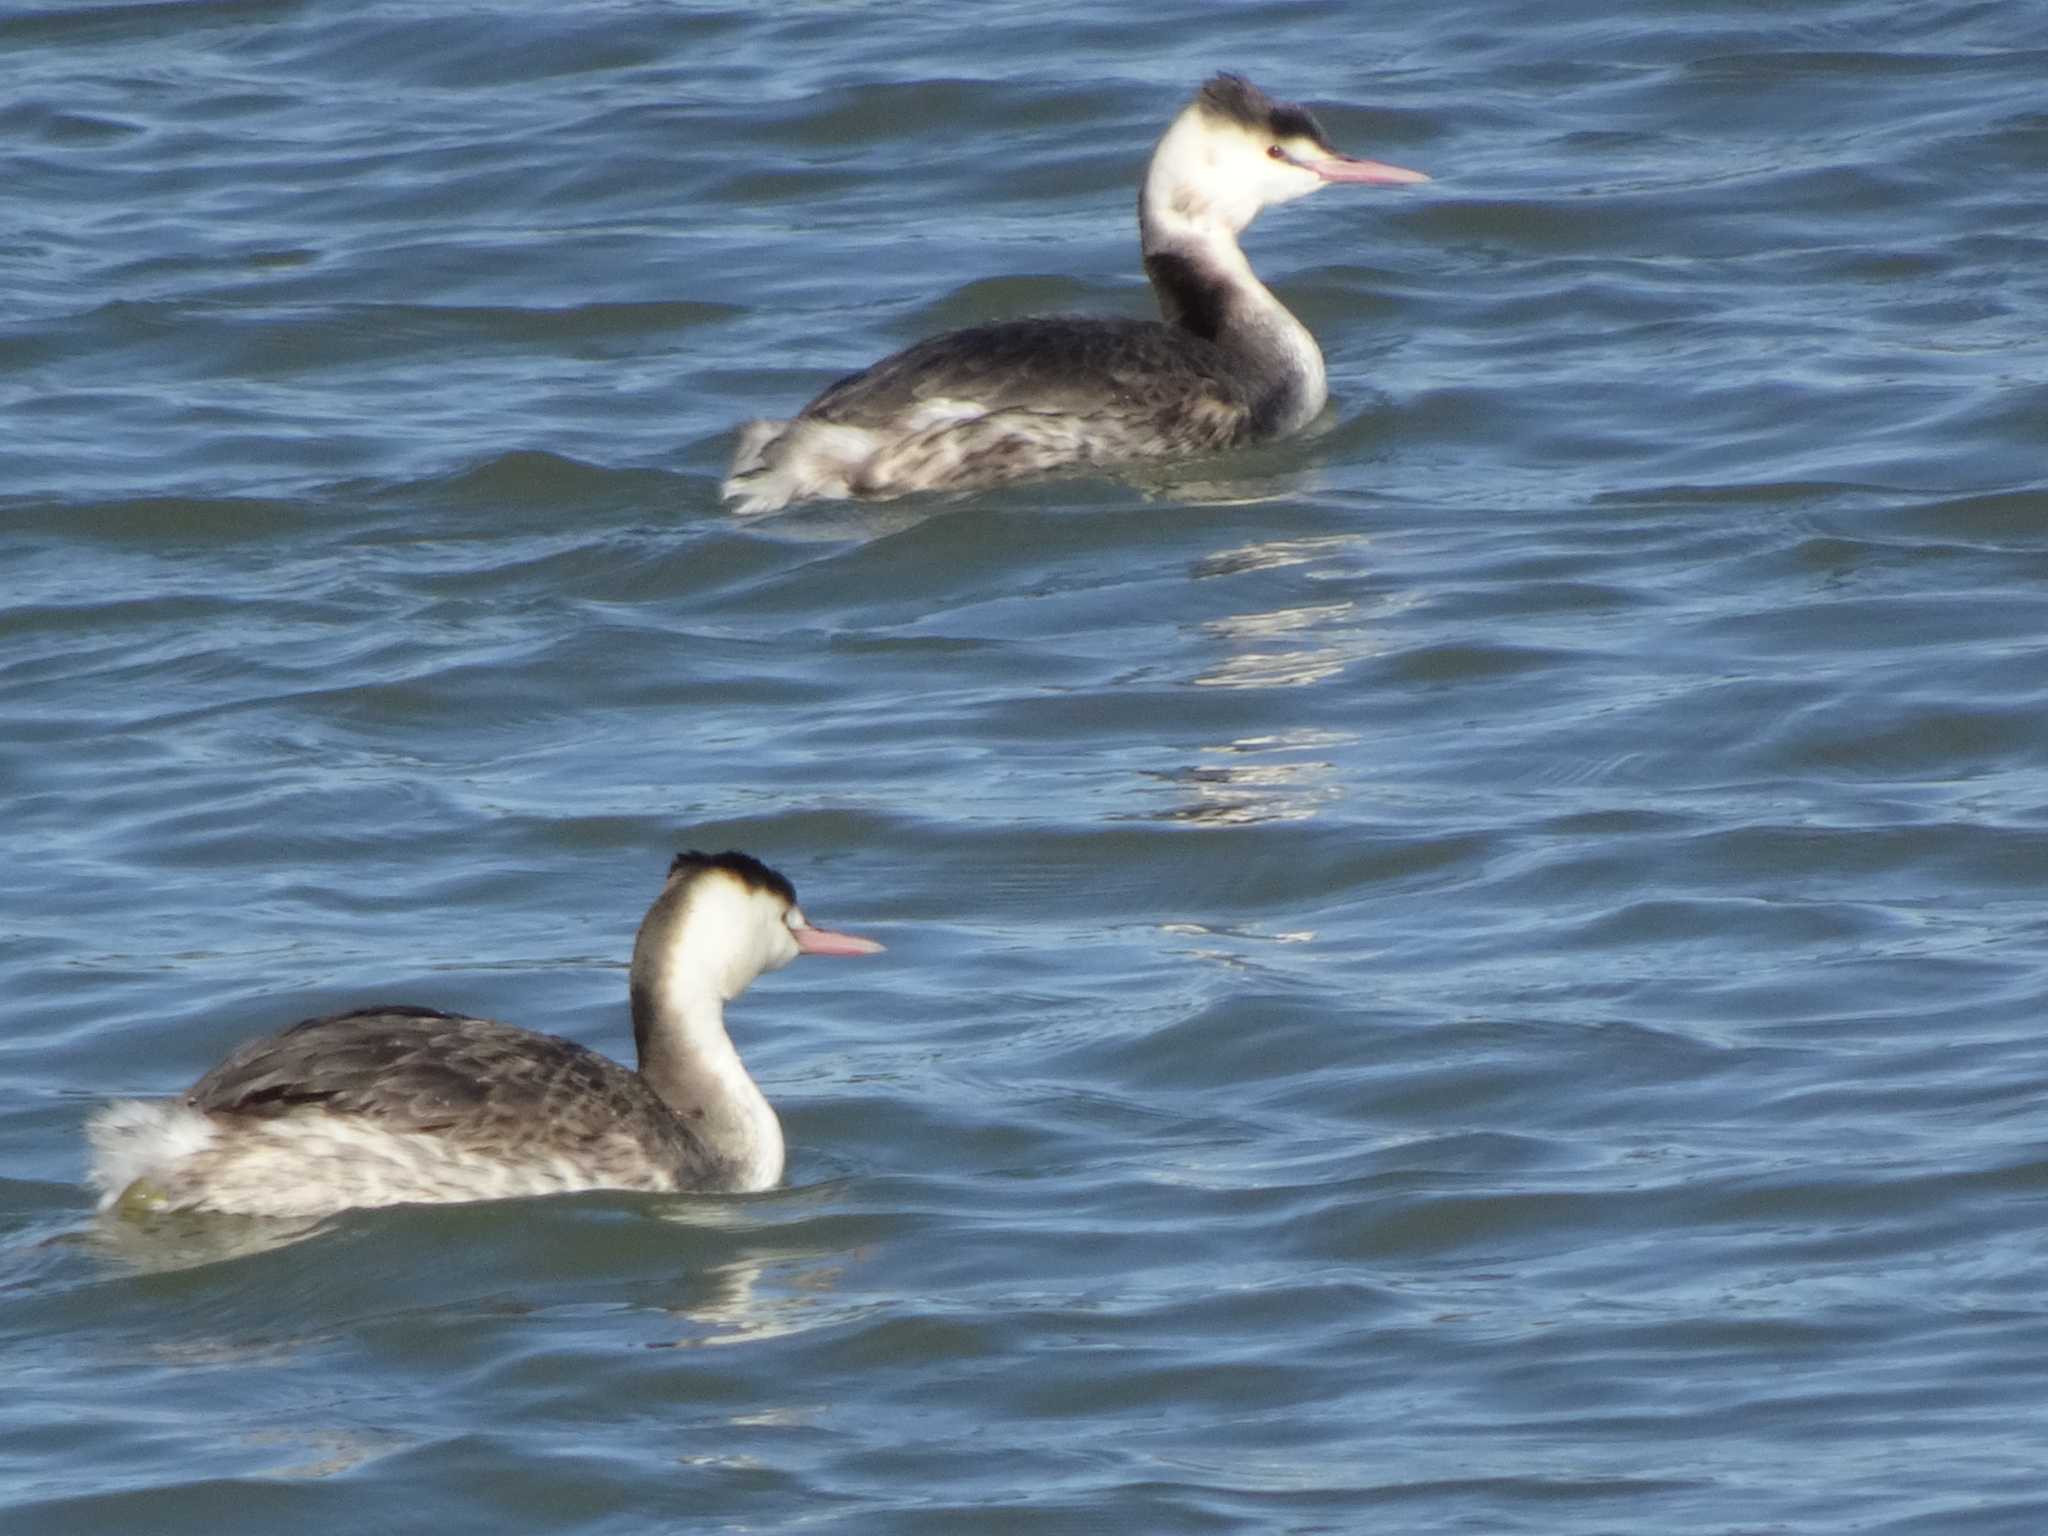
(1301, 643)
(1271, 554)
(323, 1451)
(1339, 643)
(784, 1288)
(161, 1242)
(750, 1300)
(1266, 782)
(1223, 945)
(1268, 777)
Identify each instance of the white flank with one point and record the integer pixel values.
(312, 1163)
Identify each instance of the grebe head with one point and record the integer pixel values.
(722, 920)
(1233, 151)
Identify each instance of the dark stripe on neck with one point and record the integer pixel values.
(1194, 298)
(1191, 297)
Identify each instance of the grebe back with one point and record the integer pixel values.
(1228, 365)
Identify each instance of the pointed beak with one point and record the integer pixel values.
(822, 941)
(1344, 168)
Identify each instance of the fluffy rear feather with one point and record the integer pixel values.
(135, 1139)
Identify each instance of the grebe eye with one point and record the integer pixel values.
(1276, 153)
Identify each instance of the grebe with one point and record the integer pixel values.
(395, 1104)
(976, 407)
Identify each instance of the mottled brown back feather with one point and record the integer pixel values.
(1057, 364)
(488, 1088)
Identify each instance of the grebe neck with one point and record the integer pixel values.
(689, 1060)
(1207, 288)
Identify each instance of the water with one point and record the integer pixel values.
(1482, 971)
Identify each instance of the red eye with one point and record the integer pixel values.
(1276, 153)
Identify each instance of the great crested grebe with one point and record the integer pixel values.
(389, 1105)
(976, 407)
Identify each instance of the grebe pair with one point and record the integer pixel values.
(403, 1104)
(1227, 366)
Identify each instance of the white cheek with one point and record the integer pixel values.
(1283, 183)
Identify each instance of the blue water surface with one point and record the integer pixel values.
(1478, 970)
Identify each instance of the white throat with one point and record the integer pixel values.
(722, 1100)
(697, 950)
